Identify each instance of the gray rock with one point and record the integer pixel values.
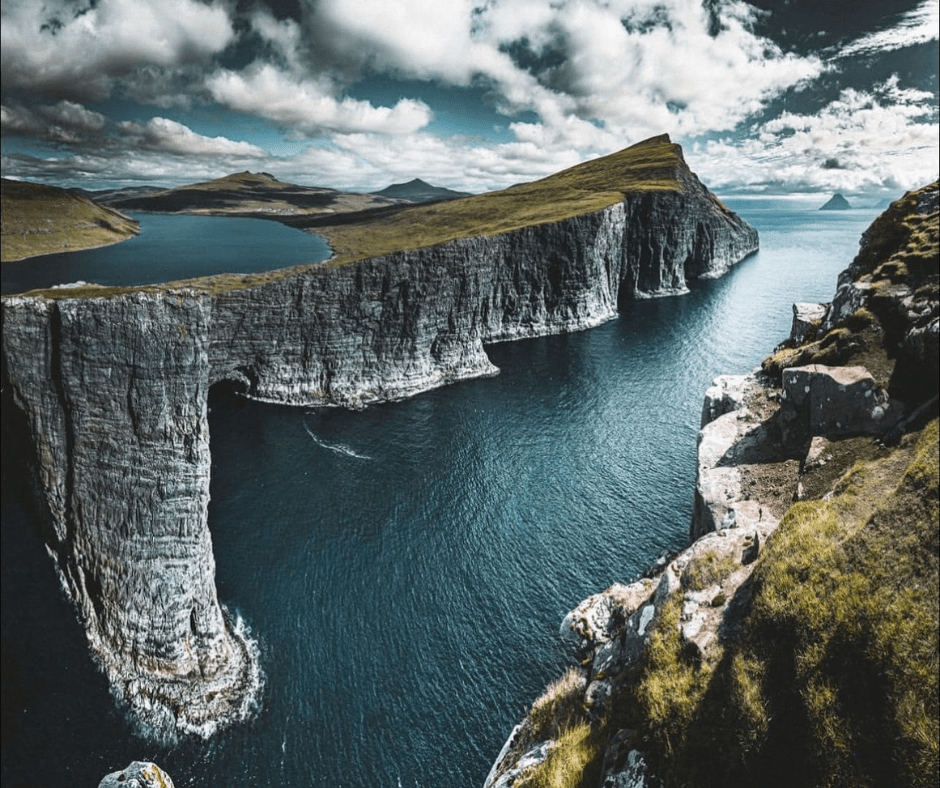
(833, 402)
(140, 774)
(726, 394)
(806, 319)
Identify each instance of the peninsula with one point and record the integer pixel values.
(112, 383)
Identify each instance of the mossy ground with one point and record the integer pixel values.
(39, 220)
(832, 677)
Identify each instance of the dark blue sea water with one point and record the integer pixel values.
(173, 247)
(405, 568)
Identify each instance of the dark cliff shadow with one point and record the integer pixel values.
(763, 445)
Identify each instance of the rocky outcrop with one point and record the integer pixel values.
(114, 384)
(139, 774)
(836, 203)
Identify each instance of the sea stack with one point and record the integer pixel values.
(836, 203)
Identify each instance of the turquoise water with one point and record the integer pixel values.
(171, 247)
(405, 568)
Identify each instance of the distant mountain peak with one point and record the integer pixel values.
(417, 190)
(836, 203)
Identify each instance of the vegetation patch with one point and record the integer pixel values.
(834, 679)
(559, 707)
(39, 220)
(706, 569)
(651, 166)
(574, 760)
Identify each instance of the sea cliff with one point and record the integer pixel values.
(112, 385)
(794, 642)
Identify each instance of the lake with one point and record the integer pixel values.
(171, 247)
(405, 568)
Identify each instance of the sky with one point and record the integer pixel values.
(766, 97)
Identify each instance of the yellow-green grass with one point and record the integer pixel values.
(38, 220)
(833, 679)
(572, 762)
(650, 166)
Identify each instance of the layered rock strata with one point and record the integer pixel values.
(114, 385)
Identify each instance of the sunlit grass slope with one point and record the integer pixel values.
(41, 220)
(653, 165)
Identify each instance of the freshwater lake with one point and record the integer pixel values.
(405, 568)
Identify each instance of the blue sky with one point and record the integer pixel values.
(769, 96)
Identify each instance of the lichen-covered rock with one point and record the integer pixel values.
(139, 774)
(833, 401)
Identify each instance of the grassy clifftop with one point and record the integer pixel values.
(40, 220)
(650, 166)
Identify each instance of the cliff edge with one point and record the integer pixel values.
(111, 384)
(795, 641)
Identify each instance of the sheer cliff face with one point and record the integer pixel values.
(114, 389)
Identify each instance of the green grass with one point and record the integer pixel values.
(650, 166)
(569, 764)
(38, 220)
(559, 707)
(706, 569)
(834, 678)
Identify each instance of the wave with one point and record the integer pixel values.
(339, 448)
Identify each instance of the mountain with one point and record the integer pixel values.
(419, 191)
(836, 203)
(248, 194)
(39, 219)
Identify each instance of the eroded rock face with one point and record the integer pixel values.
(114, 387)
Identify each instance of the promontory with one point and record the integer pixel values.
(112, 383)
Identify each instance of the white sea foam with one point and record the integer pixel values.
(339, 448)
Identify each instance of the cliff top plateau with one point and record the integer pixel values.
(38, 220)
(795, 641)
(654, 165)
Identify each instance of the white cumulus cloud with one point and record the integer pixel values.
(307, 106)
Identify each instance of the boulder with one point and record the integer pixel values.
(806, 319)
(140, 774)
(832, 402)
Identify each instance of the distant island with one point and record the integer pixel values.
(419, 191)
(39, 220)
(836, 203)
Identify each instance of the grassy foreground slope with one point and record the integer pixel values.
(655, 165)
(40, 220)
